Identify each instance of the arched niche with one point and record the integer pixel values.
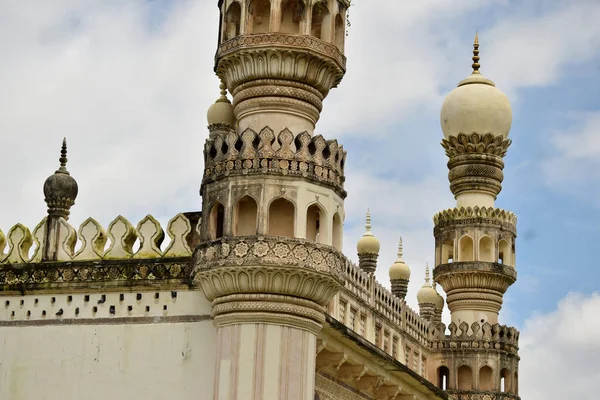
(292, 13)
(486, 381)
(233, 20)
(340, 32)
(282, 216)
(259, 16)
(443, 375)
(245, 217)
(486, 249)
(316, 223)
(515, 384)
(504, 255)
(464, 377)
(505, 380)
(447, 252)
(466, 249)
(216, 221)
(338, 231)
(321, 22)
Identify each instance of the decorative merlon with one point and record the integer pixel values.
(93, 238)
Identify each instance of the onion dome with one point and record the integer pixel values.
(427, 294)
(439, 304)
(221, 112)
(368, 244)
(60, 189)
(399, 269)
(476, 105)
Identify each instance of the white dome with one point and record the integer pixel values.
(368, 244)
(399, 269)
(476, 105)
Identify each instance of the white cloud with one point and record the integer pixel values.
(560, 351)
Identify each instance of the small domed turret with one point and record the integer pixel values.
(476, 105)
(399, 275)
(368, 248)
(60, 189)
(427, 297)
(221, 112)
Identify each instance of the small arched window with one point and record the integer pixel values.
(464, 378)
(216, 221)
(505, 380)
(259, 16)
(321, 22)
(486, 249)
(292, 13)
(340, 32)
(465, 249)
(282, 215)
(486, 378)
(447, 252)
(504, 256)
(233, 19)
(443, 377)
(338, 231)
(315, 221)
(244, 220)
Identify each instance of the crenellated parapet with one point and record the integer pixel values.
(301, 156)
(484, 336)
(92, 242)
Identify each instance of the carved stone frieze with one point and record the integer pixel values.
(476, 143)
(465, 216)
(480, 395)
(499, 338)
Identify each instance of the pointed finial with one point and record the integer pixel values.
(476, 54)
(427, 280)
(223, 98)
(368, 223)
(400, 249)
(63, 157)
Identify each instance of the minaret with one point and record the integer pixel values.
(272, 195)
(427, 298)
(367, 248)
(399, 275)
(475, 242)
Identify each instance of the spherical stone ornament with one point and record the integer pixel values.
(221, 112)
(399, 271)
(476, 105)
(427, 295)
(60, 189)
(368, 245)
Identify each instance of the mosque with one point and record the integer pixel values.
(251, 298)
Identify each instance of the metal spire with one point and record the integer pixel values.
(476, 55)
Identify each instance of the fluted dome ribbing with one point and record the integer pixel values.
(476, 105)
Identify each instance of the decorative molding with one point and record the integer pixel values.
(493, 217)
(476, 143)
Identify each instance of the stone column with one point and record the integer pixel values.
(268, 303)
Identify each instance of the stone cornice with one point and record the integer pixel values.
(54, 276)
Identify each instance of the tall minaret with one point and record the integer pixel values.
(272, 194)
(475, 242)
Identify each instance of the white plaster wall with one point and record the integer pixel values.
(135, 354)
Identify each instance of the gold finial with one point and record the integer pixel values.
(476, 54)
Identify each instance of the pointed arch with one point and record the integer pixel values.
(338, 231)
(486, 249)
(443, 374)
(464, 377)
(505, 380)
(340, 31)
(321, 22)
(466, 249)
(233, 20)
(292, 13)
(259, 16)
(282, 217)
(447, 252)
(216, 221)
(316, 223)
(504, 256)
(245, 216)
(486, 380)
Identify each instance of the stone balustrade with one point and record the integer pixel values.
(480, 395)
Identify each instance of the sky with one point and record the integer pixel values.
(128, 82)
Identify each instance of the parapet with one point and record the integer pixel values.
(93, 238)
(471, 215)
(301, 156)
(477, 336)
